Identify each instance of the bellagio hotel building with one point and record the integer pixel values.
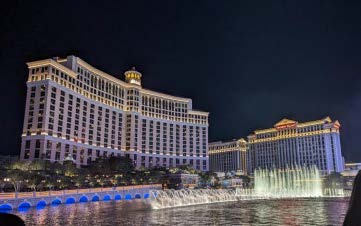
(75, 110)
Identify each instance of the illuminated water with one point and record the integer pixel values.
(292, 196)
(174, 198)
(293, 181)
(315, 211)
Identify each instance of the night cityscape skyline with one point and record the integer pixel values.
(248, 70)
(180, 112)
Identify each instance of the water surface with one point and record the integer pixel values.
(321, 211)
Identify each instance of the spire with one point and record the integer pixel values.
(133, 76)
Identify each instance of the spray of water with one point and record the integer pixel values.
(291, 182)
(186, 197)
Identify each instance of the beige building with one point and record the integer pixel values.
(74, 109)
(297, 143)
(351, 169)
(228, 156)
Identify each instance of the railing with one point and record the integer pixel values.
(7, 195)
(25, 195)
(52, 193)
(14, 195)
(41, 194)
(84, 190)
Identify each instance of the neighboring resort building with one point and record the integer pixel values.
(290, 142)
(228, 156)
(351, 169)
(349, 174)
(73, 109)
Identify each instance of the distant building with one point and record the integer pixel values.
(232, 183)
(351, 169)
(182, 180)
(73, 108)
(290, 142)
(228, 156)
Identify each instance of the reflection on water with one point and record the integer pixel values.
(322, 211)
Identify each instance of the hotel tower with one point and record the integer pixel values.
(228, 156)
(291, 142)
(75, 110)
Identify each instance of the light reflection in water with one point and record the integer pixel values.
(320, 211)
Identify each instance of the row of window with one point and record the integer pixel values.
(292, 131)
(57, 151)
(72, 117)
(112, 94)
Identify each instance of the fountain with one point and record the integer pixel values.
(187, 197)
(293, 182)
(336, 192)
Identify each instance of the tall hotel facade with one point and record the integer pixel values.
(290, 142)
(228, 156)
(74, 109)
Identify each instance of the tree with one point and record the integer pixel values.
(20, 165)
(158, 175)
(207, 178)
(188, 169)
(54, 168)
(100, 167)
(3, 182)
(17, 179)
(78, 181)
(63, 182)
(100, 180)
(70, 169)
(50, 181)
(37, 165)
(120, 164)
(34, 180)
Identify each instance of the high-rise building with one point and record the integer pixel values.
(73, 109)
(290, 142)
(228, 156)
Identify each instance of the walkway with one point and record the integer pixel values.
(21, 200)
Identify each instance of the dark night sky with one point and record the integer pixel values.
(248, 63)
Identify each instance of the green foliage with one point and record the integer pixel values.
(113, 171)
(207, 179)
(120, 164)
(17, 178)
(34, 179)
(188, 169)
(70, 169)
